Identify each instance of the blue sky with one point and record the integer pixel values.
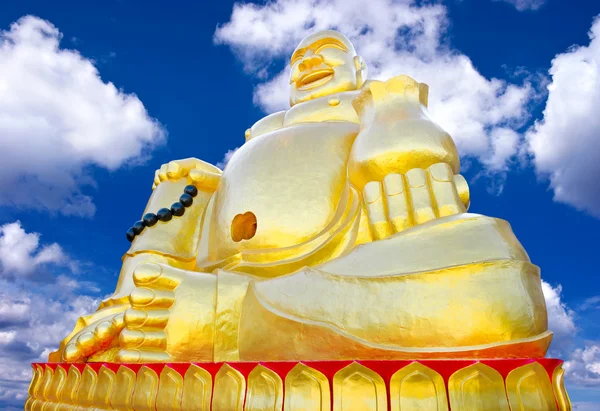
(515, 82)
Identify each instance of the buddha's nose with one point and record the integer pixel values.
(309, 62)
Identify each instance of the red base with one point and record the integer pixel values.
(511, 382)
(328, 368)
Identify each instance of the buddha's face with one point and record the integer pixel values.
(322, 64)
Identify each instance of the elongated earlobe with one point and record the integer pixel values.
(361, 70)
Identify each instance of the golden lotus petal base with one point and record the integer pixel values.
(469, 385)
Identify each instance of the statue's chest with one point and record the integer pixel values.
(289, 182)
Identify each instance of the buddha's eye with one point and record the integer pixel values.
(331, 46)
(296, 59)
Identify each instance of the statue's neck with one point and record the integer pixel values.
(335, 107)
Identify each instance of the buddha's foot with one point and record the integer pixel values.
(468, 385)
(164, 293)
(95, 337)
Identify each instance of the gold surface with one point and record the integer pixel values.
(170, 389)
(33, 387)
(417, 387)
(558, 385)
(229, 391)
(477, 387)
(529, 388)
(85, 393)
(146, 388)
(306, 389)
(412, 386)
(197, 389)
(42, 392)
(122, 396)
(338, 230)
(69, 393)
(357, 388)
(265, 390)
(105, 387)
(55, 388)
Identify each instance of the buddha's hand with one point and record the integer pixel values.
(402, 201)
(401, 90)
(203, 175)
(171, 316)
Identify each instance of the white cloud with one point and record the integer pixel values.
(38, 323)
(523, 5)
(586, 406)
(582, 363)
(20, 252)
(566, 144)
(591, 303)
(561, 319)
(57, 117)
(583, 366)
(35, 313)
(7, 337)
(221, 164)
(395, 37)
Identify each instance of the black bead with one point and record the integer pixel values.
(164, 214)
(138, 227)
(150, 219)
(177, 209)
(186, 200)
(130, 234)
(191, 190)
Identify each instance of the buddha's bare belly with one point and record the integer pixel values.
(292, 180)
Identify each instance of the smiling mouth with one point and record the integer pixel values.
(314, 79)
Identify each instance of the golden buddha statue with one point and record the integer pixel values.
(339, 230)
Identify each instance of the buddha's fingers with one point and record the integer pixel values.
(398, 211)
(74, 351)
(462, 187)
(376, 210)
(139, 356)
(87, 342)
(422, 203)
(156, 319)
(94, 338)
(156, 181)
(157, 276)
(106, 331)
(181, 168)
(80, 347)
(444, 190)
(162, 172)
(205, 179)
(71, 353)
(147, 298)
(130, 339)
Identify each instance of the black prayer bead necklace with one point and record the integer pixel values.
(164, 214)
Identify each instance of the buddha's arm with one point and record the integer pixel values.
(405, 165)
(396, 133)
(173, 243)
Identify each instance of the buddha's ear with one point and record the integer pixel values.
(361, 70)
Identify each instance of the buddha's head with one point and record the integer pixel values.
(324, 63)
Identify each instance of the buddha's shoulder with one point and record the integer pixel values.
(336, 107)
(266, 124)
